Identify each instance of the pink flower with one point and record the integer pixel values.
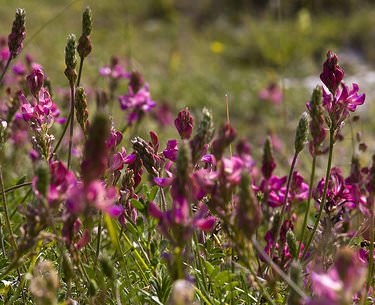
(272, 93)
(171, 151)
(35, 81)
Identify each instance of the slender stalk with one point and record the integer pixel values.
(7, 220)
(62, 134)
(72, 97)
(323, 201)
(80, 71)
(370, 274)
(282, 215)
(313, 166)
(5, 68)
(17, 186)
(99, 238)
(277, 269)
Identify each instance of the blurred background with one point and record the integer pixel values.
(265, 54)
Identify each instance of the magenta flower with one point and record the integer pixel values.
(95, 195)
(184, 123)
(332, 74)
(342, 103)
(271, 93)
(340, 283)
(35, 81)
(171, 151)
(42, 112)
(138, 99)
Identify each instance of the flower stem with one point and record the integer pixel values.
(72, 96)
(80, 71)
(7, 220)
(277, 269)
(370, 275)
(326, 182)
(5, 68)
(313, 166)
(282, 214)
(17, 186)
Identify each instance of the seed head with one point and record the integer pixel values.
(71, 59)
(302, 132)
(17, 34)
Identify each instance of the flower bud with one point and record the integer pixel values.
(332, 74)
(184, 123)
(43, 180)
(35, 81)
(268, 163)
(93, 287)
(301, 133)
(71, 59)
(86, 22)
(203, 136)
(17, 34)
(82, 109)
(136, 81)
(226, 136)
(95, 156)
(146, 154)
(292, 244)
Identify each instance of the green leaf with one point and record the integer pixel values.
(137, 204)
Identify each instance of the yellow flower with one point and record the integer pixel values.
(217, 47)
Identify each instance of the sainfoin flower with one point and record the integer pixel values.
(342, 103)
(339, 284)
(138, 99)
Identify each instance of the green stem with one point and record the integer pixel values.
(72, 97)
(62, 135)
(370, 274)
(7, 220)
(17, 186)
(277, 269)
(282, 214)
(99, 238)
(80, 71)
(323, 201)
(5, 68)
(313, 166)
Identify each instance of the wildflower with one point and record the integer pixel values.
(340, 282)
(272, 93)
(171, 151)
(226, 136)
(35, 81)
(332, 74)
(343, 102)
(114, 71)
(184, 123)
(138, 99)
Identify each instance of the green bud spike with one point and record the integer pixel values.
(71, 59)
(302, 132)
(295, 273)
(82, 109)
(43, 181)
(292, 244)
(86, 22)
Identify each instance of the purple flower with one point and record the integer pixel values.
(137, 102)
(332, 74)
(42, 112)
(344, 101)
(272, 93)
(184, 123)
(35, 81)
(171, 151)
